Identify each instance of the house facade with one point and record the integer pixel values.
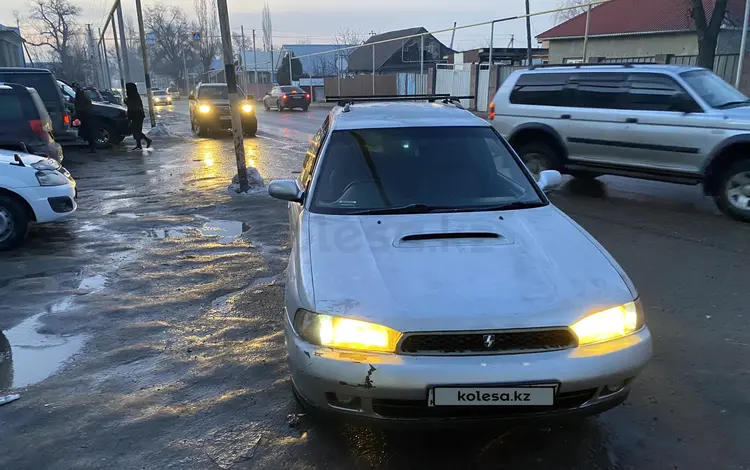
(398, 56)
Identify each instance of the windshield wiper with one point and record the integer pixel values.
(425, 209)
(407, 209)
(503, 207)
(733, 103)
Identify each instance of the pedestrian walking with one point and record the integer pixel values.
(84, 109)
(136, 115)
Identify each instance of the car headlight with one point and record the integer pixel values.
(247, 108)
(50, 178)
(344, 333)
(204, 108)
(609, 324)
(46, 164)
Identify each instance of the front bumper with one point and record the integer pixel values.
(215, 121)
(395, 388)
(51, 203)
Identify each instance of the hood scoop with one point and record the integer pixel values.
(451, 239)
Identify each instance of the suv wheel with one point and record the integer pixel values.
(733, 195)
(538, 157)
(14, 222)
(104, 135)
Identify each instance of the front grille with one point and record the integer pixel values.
(488, 342)
(418, 409)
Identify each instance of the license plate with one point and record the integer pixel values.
(492, 396)
(226, 118)
(297, 97)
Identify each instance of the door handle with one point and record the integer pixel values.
(565, 116)
(631, 120)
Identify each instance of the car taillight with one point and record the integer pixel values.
(307, 96)
(39, 128)
(492, 111)
(283, 97)
(66, 119)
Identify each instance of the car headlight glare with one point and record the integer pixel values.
(46, 164)
(51, 178)
(247, 108)
(204, 108)
(609, 324)
(344, 333)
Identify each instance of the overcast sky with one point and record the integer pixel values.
(318, 20)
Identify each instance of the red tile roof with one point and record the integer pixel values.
(640, 16)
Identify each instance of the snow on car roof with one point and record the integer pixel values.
(403, 114)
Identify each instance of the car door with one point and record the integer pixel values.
(664, 138)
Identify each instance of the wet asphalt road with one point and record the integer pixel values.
(145, 331)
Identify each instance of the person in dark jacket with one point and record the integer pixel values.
(84, 108)
(136, 115)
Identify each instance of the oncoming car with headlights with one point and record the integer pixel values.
(209, 110)
(161, 97)
(32, 189)
(430, 278)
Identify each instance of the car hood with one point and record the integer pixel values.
(540, 270)
(8, 156)
(103, 104)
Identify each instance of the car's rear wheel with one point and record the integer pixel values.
(304, 108)
(279, 107)
(733, 193)
(14, 222)
(265, 105)
(538, 157)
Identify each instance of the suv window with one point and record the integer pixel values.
(213, 93)
(541, 89)
(11, 106)
(599, 90)
(652, 92)
(43, 83)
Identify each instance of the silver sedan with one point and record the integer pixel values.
(431, 279)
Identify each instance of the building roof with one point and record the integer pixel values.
(619, 17)
(410, 114)
(361, 59)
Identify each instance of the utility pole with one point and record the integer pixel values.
(106, 62)
(234, 105)
(144, 54)
(119, 59)
(185, 72)
(421, 64)
(453, 34)
(585, 55)
(373, 66)
(528, 33)
(242, 61)
(255, 66)
(291, 76)
(91, 55)
(123, 44)
(492, 42)
(743, 46)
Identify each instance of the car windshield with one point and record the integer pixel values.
(715, 92)
(214, 92)
(425, 169)
(160, 93)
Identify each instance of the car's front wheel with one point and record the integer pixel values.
(105, 135)
(733, 193)
(14, 222)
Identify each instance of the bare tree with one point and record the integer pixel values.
(267, 28)
(55, 23)
(566, 15)
(346, 37)
(207, 24)
(172, 33)
(707, 30)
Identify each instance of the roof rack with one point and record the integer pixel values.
(600, 64)
(445, 98)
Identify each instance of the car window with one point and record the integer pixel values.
(43, 83)
(599, 90)
(653, 92)
(67, 90)
(213, 93)
(715, 92)
(11, 106)
(311, 156)
(291, 89)
(541, 89)
(452, 168)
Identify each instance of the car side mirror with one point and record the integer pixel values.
(191, 97)
(286, 190)
(549, 180)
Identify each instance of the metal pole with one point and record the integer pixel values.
(309, 76)
(144, 54)
(291, 76)
(338, 71)
(119, 59)
(453, 34)
(743, 45)
(242, 56)
(106, 62)
(586, 36)
(91, 54)
(234, 105)
(255, 66)
(373, 69)
(528, 34)
(421, 63)
(123, 44)
(492, 42)
(184, 71)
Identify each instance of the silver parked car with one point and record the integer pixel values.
(430, 278)
(661, 122)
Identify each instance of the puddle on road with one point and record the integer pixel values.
(226, 231)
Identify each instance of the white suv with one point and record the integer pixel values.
(668, 123)
(32, 189)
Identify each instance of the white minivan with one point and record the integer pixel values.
(32, 189)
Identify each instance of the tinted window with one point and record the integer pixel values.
(213, 92)
(599, 90)
(290, 89)
(11, 106)
(542, 89)
(312, 155)
(451, 168)
(652, 92)
(43, 83)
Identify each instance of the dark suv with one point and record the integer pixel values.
(110, 120)
(25, 125)
(43, 81)
(209, 109)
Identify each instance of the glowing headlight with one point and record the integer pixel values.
(609, 324)
(204, 108)
(247, 108)
(344, 333)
